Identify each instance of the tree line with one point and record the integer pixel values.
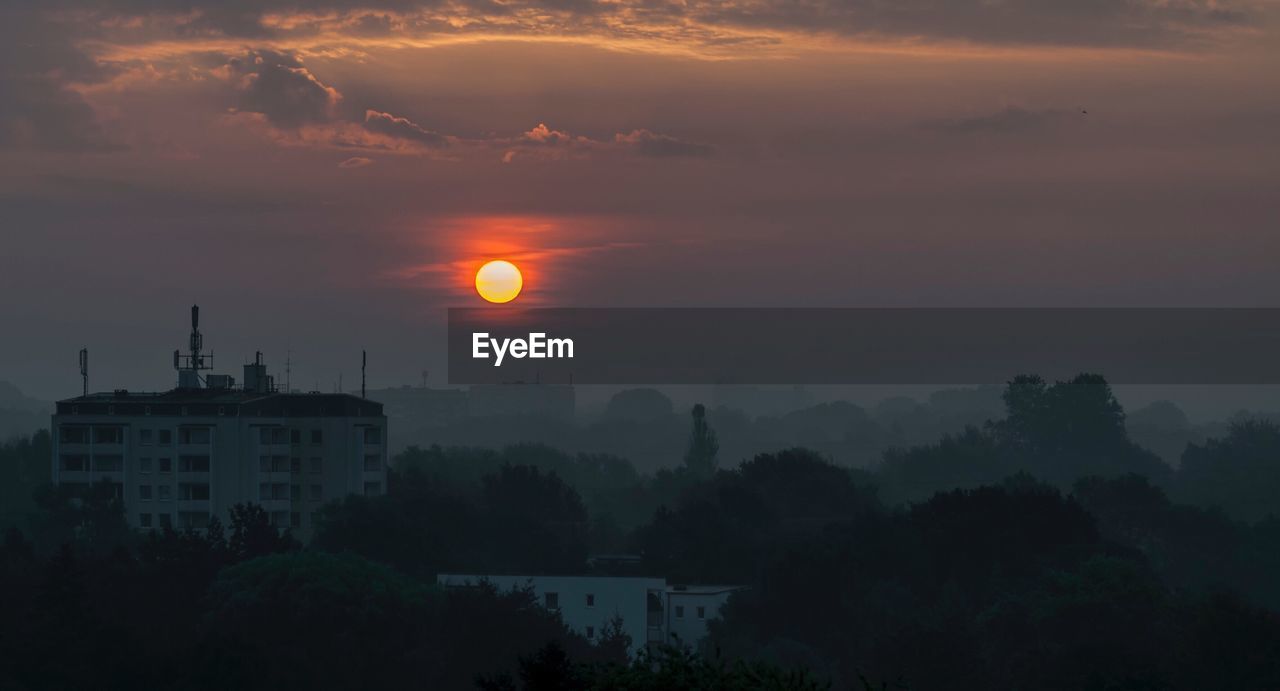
(1042, 550)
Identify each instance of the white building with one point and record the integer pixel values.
(179, 457)
(652, 611)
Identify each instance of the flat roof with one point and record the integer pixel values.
(178, 402)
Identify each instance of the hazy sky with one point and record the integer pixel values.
(324, 176)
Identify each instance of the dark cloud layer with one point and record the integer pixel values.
(38, 107)
(1057, 22)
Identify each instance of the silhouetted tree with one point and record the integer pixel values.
(252, 534)
(1239, 474)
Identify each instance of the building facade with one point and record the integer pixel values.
(651, 611)
(180, 457)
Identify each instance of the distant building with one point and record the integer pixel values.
(178, 458)
(412, 407)
(555, 401)
(652, 611)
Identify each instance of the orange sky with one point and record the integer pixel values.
(287, 165)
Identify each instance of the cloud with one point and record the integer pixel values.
(279, 87)
(545, 142)
(356, 162)
(648, 143)
(402, 128)
(40, 68)
(1012, 119)
(1130, 23)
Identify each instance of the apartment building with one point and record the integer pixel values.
(180, 457)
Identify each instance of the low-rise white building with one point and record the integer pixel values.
(651, 610)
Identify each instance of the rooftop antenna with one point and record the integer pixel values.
(190, 365)
(364, 362)
(84, 370)
(288, 379)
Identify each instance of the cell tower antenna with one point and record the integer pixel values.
(190, 366)
(84, 371)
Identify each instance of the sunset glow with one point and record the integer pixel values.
(711, 152)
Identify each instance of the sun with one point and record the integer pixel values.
(499, 281)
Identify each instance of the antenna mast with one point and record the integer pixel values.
(364, 362)
(190, 365)
(84, 371)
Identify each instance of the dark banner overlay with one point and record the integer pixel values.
(861, 346)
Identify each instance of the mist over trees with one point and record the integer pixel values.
(1043, 547)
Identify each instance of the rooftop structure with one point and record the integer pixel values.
(179, 457)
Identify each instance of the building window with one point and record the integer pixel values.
(273, 464)
(295, 465)
(702, 612)
(108, 463)
(144, 492)
(164, 493)
(273, 491)
(372, 489)
(193, 491)
(164, 437)
(273, 435)
(144, 465)
(193, 464)
(108, 435)
(295, 520)
(166, 521)
(551, 600)
(146, 437)
(679, 611)
(372, 462)
(373, 435)
(591, 600)
(591, 632)
(74, 462)
(295, 436)
(295, 492)
(194, 435)
(280, 519)
(317, 437)
(317, 466)
(166, 465)
(317, 493)
(144, 520)
(73, 434)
